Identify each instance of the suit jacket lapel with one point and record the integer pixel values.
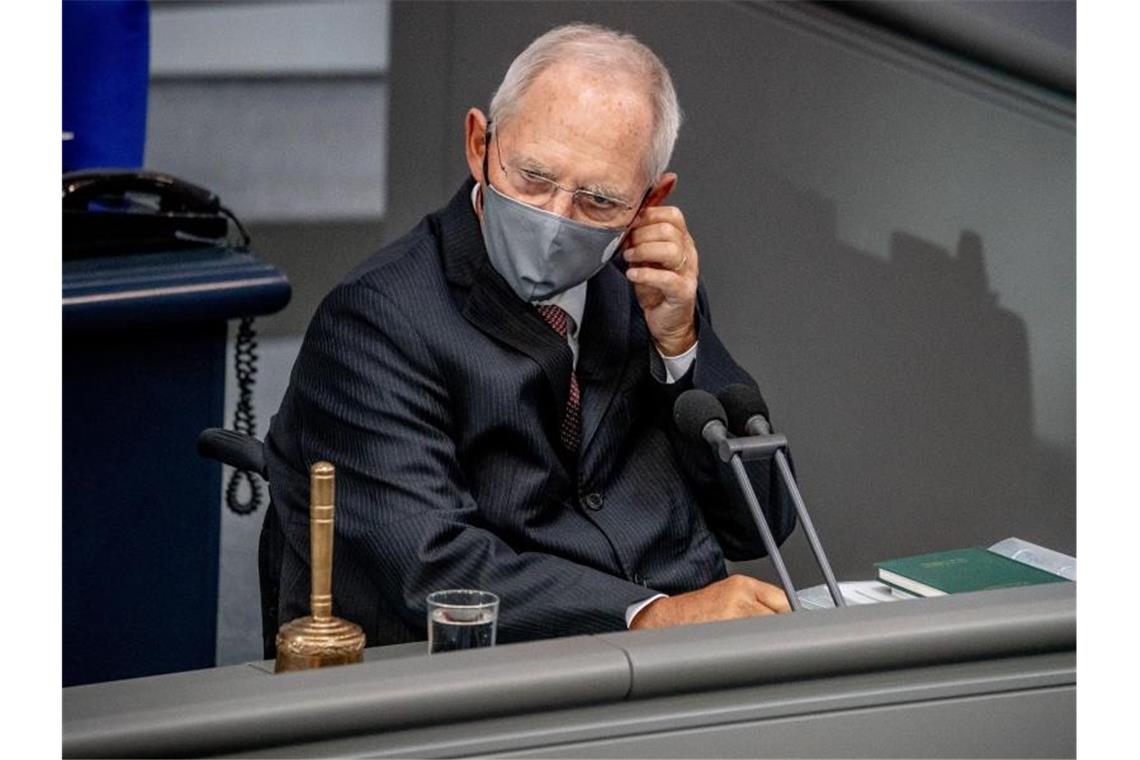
(603, 354)
(490, 304)
(495, 309)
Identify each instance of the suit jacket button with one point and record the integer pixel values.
(593, 500)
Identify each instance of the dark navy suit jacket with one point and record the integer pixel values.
(436, 393)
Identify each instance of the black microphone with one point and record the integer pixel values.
(748, 416)
(747, 413)
(700, 417)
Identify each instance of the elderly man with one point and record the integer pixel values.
(495, 388)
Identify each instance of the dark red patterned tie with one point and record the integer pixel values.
(572, 420)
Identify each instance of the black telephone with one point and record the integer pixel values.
(113, 212)
(110, 212)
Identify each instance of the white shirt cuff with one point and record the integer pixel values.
(632, 610)
(677, 366)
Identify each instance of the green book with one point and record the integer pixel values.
(959, 571)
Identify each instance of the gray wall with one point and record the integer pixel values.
(887, 233)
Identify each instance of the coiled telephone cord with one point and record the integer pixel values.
(245, 370)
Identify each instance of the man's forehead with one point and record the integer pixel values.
(570, 110)
(587, 87)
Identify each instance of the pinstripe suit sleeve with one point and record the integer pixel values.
(372, 401)
(726, 513)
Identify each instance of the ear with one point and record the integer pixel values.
(662, 189)
(475, 142)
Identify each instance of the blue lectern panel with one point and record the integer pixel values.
(141, 510)
(144, 351)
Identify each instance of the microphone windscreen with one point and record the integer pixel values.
(694, 409)
(741, 402)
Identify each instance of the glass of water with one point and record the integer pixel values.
(461, 619)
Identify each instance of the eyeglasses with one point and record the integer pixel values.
(536, 189)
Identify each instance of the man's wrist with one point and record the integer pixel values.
(672, 347)
(676, 366)
(639, 615)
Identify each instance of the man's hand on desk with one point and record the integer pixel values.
(737, 596)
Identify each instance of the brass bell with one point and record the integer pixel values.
(319, 640)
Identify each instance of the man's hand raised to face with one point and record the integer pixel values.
(663, 267)
(737, 596)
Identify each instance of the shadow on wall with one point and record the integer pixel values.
(903, 385)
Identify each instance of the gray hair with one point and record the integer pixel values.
(597, 48)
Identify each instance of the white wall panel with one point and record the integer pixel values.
(269, 39)
(292, 149)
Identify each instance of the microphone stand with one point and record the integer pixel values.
(733, 451)
(766, 536)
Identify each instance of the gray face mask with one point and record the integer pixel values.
(541, 254)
